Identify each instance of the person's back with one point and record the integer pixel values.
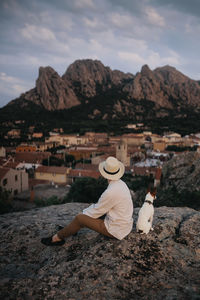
(119, 218)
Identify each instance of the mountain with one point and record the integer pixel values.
(88, 90)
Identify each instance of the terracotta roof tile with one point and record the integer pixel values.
(86, 167)
(84, 173)
(51, 169)
(32, 157)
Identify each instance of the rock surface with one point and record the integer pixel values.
(51, 91)
(162, 265)
(85, 80)
(183, 172)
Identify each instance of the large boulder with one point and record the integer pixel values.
(182, 172)
(161, 265)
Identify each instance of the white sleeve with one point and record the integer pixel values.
(104, 204)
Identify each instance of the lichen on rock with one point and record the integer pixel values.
(161, 265)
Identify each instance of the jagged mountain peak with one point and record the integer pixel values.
(87, 80)
(82, 70)
(171, 74)
(145, 70)
(85, 64)
(46, 70)
(91, 77)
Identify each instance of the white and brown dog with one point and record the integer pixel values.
(146, 212)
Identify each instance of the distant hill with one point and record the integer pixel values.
(93, 95)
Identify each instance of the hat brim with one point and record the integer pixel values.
(116, 176)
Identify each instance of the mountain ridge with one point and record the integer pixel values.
(86, 79)
(90, 91)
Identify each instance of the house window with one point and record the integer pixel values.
(5, 181)
(16, 178)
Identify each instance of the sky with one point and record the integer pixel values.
(122, 34)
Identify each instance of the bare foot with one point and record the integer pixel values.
(55, 238)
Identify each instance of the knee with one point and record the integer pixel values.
(79, 219)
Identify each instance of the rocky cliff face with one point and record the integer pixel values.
(183, 172)
(51, 91)
(89, 77)
(161, 265)
(85, 80)
(165, 86)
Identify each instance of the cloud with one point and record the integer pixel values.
(84, 3)
(154, 18)
(92, 22)
(13, 86)
(131, 57)
(122, 34)
(36, 34)
(191, 7)
(153, 59)
(121, 20)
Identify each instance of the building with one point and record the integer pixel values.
(159, 146)
(99, 138)
(32, 157)
(134, 139)
(67, 140)
(122, 153)
(75, 173)
(37, 135)
(2, 152)
(173, 138)
(15, 181)
(52, 174)
(83, 152)
(26, 148)
(14, 133)
(157, 176)
(96, 160)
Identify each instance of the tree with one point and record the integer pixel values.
(5, 206)
(86, 190)
(53, 161)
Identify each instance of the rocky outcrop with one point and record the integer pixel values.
(165, 86)
(51, 91)
(182, 172)
(90, 77)
(161, 265)
(85, 80)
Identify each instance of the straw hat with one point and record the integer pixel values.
(111, 168)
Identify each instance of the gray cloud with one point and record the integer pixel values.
(122, 34)
(188, 7)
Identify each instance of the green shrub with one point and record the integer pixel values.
(137, 182)
(174, 198)
(5, 205)
(53, 200)
(86, 190)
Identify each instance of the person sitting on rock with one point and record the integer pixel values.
(115, 203)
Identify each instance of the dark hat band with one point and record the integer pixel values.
(111, 173)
